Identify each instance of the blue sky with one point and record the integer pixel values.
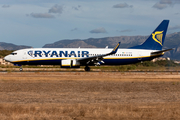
(38, 22)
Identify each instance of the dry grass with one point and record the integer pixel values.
(89, 111)
(89, 95)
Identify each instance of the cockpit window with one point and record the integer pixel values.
(13, 53)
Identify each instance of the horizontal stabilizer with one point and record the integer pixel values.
(160, 52)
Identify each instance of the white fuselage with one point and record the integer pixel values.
(46, 56)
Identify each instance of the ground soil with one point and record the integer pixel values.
(89, 95)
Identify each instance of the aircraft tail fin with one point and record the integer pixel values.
(156, 40)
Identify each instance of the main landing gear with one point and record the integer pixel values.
(87, 68)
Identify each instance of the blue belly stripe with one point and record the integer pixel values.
(107, 61)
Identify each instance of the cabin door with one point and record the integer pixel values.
(139, 55)
(25, 55)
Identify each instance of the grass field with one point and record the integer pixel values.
(89, 95)
(145, 66)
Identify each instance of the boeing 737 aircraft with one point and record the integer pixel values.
(76, 57)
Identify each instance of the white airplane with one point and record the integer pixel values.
(76, 57)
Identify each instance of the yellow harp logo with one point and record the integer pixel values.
(157, 36)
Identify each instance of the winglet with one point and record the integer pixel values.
(116, 48)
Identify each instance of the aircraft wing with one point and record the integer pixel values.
(98, 58)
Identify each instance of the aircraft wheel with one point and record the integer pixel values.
(20, 69)
(87, 68)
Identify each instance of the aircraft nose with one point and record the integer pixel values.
(7, 58)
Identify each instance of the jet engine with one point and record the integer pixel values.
(70, 64)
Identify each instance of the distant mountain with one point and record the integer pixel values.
(10, 46)
(172, 41)
(126, 41)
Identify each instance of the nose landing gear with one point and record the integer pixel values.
(20, 69)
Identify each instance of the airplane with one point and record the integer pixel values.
(76, 57)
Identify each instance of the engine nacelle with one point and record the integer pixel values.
(70, 64)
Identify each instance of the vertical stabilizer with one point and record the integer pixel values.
(156, 40)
